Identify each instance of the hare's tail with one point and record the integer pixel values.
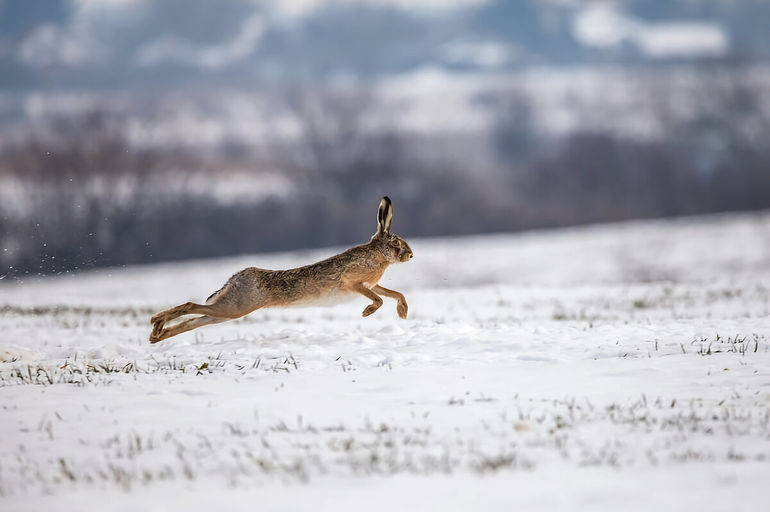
(213, 297)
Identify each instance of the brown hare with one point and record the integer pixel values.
(355, 271)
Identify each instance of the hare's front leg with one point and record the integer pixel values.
(376, 299)
(401, 305)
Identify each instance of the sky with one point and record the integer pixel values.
(135, 43)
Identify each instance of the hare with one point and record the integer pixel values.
(355, 271)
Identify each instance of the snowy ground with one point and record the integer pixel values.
(605, 368)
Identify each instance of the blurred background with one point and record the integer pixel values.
(135, 131)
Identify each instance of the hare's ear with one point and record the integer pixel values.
(384, 216)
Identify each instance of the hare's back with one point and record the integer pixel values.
(304, 286)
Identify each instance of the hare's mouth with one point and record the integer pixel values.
(405, 256)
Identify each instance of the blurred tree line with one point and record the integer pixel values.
(85, 198)
(715, 159)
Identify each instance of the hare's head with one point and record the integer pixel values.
(394, 247)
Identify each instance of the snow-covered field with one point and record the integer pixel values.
(620, 367)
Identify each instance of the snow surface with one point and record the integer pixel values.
(618, 367)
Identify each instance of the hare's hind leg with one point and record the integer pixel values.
(227, 303)
(185, 326)
(212, 314)
(188, 308)
(401, 305)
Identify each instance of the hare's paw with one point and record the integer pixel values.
(402, 308)
(157, 327)
(157, 331)
(155, 336)
(371, 308)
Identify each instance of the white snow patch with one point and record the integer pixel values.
(51, 45)
(664, 40)
(232, 50)
(606, 25)
(296, 8)
(484, 54)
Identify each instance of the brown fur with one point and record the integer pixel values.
(357, 270)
